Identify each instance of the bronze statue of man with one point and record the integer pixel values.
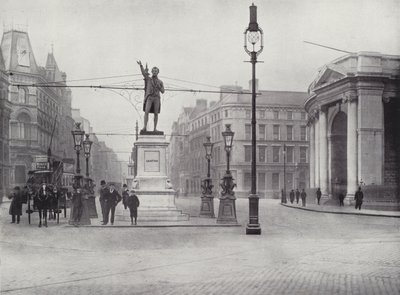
(153, 87)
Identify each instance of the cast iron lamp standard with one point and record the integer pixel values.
(227, 207)
(87, 145)
(207, 199)
(78, 134)
(253, 35)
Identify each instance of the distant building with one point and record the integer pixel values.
(354, 122)
(37, 112)
(280, 120)
(5, 111)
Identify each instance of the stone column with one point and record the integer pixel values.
(352, 147)
(312, 154)
(323, 152)
(316, 151)
(370, 133)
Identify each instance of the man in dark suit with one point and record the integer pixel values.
(112, 198)
(103, 191)
(359, 196)
(133, 203)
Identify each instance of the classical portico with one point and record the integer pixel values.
(353, 108)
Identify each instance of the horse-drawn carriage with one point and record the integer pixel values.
(47, 189)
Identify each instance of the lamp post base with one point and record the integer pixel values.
(253, 227)
(227, 211)
(207, 206)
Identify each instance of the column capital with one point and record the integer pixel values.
(388, 96)
(349, 97)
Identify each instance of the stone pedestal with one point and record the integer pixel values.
(152, 186)
(207, 206)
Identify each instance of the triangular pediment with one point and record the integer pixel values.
(328, 75)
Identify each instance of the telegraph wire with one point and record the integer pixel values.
(324, 46)
(127, 88)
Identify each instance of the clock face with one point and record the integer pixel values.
(23, 52)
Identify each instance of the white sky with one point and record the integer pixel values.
(197, 41)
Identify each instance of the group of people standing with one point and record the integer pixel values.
(298, 195)
(109, 198)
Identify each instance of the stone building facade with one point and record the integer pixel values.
(354, 126)
(281, 121)
(37, 112)
(5, 111)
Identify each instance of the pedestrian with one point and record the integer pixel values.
(125, 194)
(132, 202)
(318, 195)
(358, 197)
(291, 196)
(297, 195)
(341, 199)
(303, 196)
(283, 197)
(112, 197)
(77, 206)
(102, 192)
(16, 204)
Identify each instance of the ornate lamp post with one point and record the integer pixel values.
(87, 145)
(78, 134)
(253, 35)
(227, 207)
(207, 199)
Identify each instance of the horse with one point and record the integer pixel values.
(42, 201)
(53, 202)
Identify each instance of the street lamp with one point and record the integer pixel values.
(284, 200)
(78, 134)
(253, 35)
(227, 207)
(87, 145)
(207, 199)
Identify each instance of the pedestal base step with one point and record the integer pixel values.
(154, 215)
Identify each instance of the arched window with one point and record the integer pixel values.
(22, 96)
(21, 129)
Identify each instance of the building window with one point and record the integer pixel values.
(275, 181)
(289, 132)
(275, 154)
(247, 180)
(247, 153)
(261, 181)
(262, 114)
(289, 181)
(22, 96)
(303, 115)
(276, 132)
(247, 131)
(303, 154)
(248, 114)
(226, 113)
(276, 115)
(289, 115)
(21, 129)
(303, 133)
(261, 132)
(261, 154)
(289, 154)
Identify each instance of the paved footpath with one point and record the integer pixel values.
(299, 252)
(347, 209)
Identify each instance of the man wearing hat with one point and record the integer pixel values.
(132, 202)
(112, 198)
(102, 192)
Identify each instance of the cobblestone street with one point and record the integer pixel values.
(299, 252)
